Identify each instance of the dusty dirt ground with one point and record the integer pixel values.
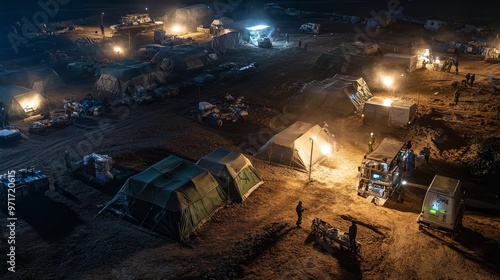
(62, 236)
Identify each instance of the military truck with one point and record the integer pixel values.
(381, 170)
(18, 185)
(443, 206)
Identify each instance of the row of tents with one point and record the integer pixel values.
(175, 196)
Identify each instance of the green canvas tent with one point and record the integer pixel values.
(119, 75)
(294, 147)
(173, 197)
(235, 172)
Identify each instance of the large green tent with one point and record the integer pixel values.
(235, 172)
(173, 197)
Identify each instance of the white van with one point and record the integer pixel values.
(443, 206)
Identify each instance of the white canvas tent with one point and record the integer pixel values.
(292, 147)
(118, 76)
(340, 94)
(20, 101)
(404, 61)
(234, 171)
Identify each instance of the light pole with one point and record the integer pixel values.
(311, 158)
(102, 27)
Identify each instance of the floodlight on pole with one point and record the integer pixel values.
(311, 157)
(117, 50)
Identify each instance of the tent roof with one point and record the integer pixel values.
(7, 93)
(388, 148)
(220, 158)
(287, 136)
(222, 21)
(127, 69)
(164, 180)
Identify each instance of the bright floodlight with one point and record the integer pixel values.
(388, 81)
(387, 102)
(404, 183)
(326, 149)
(117, 49)
(257, 27)
(176, 28)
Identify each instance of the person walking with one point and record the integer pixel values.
(353, 231)
(472, 78)
(299, 209)
(67, 160)
(370, 142)
(467, 78)
(457, 96)
(427, 154)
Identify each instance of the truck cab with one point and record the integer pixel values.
(380, 172)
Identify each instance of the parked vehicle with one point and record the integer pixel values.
(18, 185)
(443, 206)
(310, 27)
(380, 172)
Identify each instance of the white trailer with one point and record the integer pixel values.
(407, 62)
(443, 206)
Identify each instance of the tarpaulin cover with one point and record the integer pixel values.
(235, 172)
(117, 76)
(173, 197)
(180, 59)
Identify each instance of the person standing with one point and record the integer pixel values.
(457, 96)
(370, 142)
(299, 209)
(353, 231)
(300, 43)
(5, 119)
(472, 78)
(67, 160)
(427, 154)
(467, 78)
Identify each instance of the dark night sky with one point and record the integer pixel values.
(441, 9)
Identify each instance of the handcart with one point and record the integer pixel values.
(323, 229)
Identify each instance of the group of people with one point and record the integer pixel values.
(469, 79)
(4, 116)
(448, 64)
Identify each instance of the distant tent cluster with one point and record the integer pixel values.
(175, 196)
(340, 94)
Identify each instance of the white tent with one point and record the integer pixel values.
(301, 146)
